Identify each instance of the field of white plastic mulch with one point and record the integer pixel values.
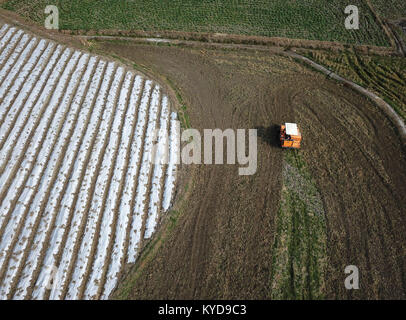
(80, 180)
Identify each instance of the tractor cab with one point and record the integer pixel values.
(290, 136)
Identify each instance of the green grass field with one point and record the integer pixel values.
(311, 19)
(390, 9)
(300, 246)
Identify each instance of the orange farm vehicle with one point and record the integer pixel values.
(290, 136)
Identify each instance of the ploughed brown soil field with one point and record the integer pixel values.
(221, 243)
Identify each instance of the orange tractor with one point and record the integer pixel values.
(290, 136)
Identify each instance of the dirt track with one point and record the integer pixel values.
(221, 246)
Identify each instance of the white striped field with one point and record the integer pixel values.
(83, 179)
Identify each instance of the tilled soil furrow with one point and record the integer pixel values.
(387, 220)
(361, 246)
(340, 156)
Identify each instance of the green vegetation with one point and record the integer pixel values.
(299, 258)
(311, 19)
(393, 12)
(390, 9)
(182, 111)
(384, 75)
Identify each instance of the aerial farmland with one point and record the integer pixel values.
(65, 115)
(110, 190)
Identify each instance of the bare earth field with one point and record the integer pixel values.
(218, 241)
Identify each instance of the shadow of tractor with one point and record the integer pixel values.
(270, 135)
